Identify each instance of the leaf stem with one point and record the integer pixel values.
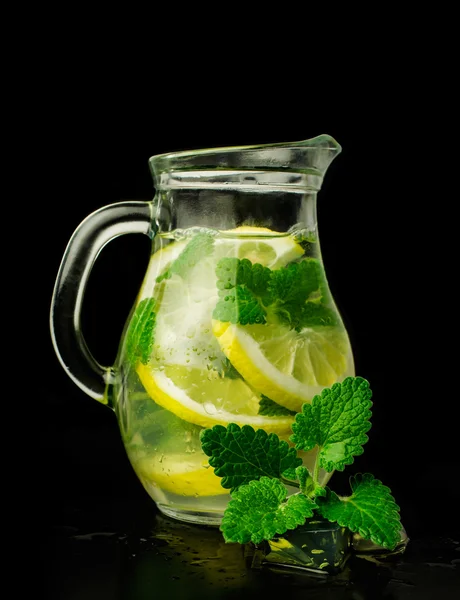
(316, 469)
(288, 482)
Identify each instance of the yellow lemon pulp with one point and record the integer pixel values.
(181, 474)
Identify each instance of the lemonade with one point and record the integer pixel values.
(229, 327)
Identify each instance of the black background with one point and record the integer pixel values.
(99, 136)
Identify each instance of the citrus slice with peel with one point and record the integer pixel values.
(261, 245)
(287, 366)
(207, 399)
(182, 474)
(158, 264)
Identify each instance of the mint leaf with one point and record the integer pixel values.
(295, 295)
(336, 422)
(198, 248)
(232, 272)
(239, 306)
(139, 336)
(269, 408)
(370, 511)
(314, 315)
(240, 455)
(241, 286)
(260, 282)
(298, 292)
(291, 287)
(258, 511)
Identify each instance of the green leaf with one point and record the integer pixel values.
(140, 333)
(198, 248)
(260, 282)
(241, 286)
(258, 511)
(291, 287)
(232, 272)
(317, 315)
(370, 511)
(240, 455)
(336, 422)
(269, 408)
(297, 293)
(239, 305)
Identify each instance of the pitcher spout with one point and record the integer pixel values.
(320, 151)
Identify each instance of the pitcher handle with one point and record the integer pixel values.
(90, 237)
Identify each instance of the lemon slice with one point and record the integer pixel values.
(183, 330)
(183, 474)
(207, 399)
(261, 245)
(158, 264)
(287, 366)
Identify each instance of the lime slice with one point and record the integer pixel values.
(287, 366)
(207, 399)
(182, 474)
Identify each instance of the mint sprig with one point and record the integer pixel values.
(140, 333)
(254, 465)
(296, 295)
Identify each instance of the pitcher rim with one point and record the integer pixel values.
(323, 142)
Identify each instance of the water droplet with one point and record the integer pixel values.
(210, 408)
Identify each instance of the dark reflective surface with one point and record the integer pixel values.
(128, 551)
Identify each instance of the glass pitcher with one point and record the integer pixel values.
(234, 321)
